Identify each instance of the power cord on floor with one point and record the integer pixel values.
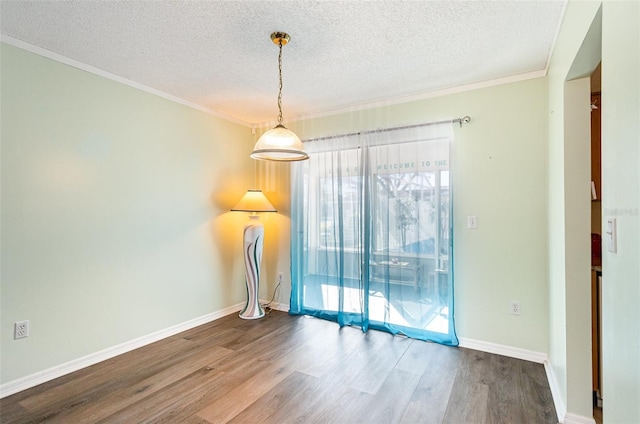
(267, 306)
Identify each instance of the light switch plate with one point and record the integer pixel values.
(612, 235)
(472, 222)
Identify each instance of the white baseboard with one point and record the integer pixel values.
(498, 349)
(561, 408)
(564, 417)
(577, 419)
(284, 307)
(40, 377)
(527, 355)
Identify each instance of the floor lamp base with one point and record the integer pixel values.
(257, 316)
(253, 241)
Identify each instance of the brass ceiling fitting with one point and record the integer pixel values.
(280, 37)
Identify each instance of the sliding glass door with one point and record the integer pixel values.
(371, 233)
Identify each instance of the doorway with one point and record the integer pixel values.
(596, 242)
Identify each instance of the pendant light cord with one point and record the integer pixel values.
(280, 87)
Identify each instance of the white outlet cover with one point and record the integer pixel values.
(21, 329)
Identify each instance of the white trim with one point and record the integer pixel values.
(561, 409)
(532, 356)
(577, 419)
(40, 377)
(411, 98)
(284, 307)
(512, 352)
(268, 124)
(556, 36)
(113, 77)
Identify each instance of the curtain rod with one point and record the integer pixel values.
(463, 120)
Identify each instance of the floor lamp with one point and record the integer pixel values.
(253, 201)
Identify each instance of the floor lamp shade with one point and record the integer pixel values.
(253, 201)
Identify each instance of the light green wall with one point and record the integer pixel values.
(621, 200)
(114, 212)
(499, 162)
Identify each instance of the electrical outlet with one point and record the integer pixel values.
(21, 329)
(280, 277)
(514, 308)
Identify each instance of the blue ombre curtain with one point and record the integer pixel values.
(371, 232)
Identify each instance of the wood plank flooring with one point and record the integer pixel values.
(284, 369)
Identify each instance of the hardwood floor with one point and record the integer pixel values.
(284, 369)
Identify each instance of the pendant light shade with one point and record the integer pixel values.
(279, 144)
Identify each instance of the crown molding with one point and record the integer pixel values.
(358, 107)
(108, 75)
(410, 98)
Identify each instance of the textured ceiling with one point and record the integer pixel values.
(342, 54)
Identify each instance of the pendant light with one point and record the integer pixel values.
(279, 144)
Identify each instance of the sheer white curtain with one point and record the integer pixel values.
(372, 232)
